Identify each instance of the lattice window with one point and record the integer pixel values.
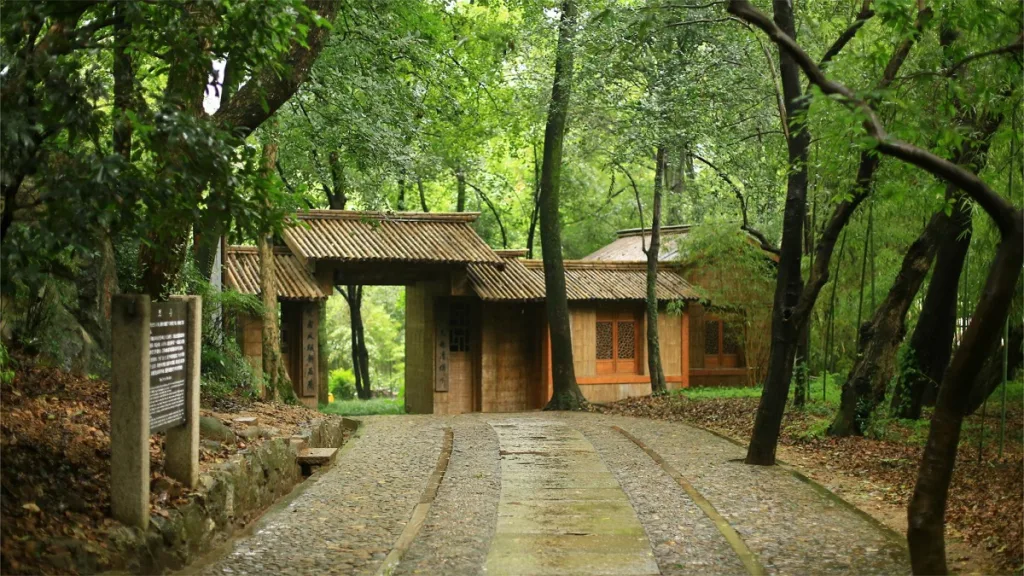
(627, 340)
(711, 336)
(604, 341)
(730, 338)
(458, 323)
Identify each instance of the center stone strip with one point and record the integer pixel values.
(561, 510)
(419, 512)
(748, 558)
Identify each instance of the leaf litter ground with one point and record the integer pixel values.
(55, 475)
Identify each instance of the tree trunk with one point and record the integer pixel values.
(801, 371)
(274, 371)
(931, 344)
(536, 204)
(678, 172)
(460, 190)
(423, 196)
(926, 515)
(991, 375)
(879, 340)
(789, 284)
(566, 393)
(401, 194)
(360, 356)
(653, 347)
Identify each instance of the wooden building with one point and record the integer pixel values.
(476, 329)
(300, 298)
(726, 348)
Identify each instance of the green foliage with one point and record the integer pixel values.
(226, 371)
(718, 392)
(7, 366)
(342, 384)
(365, 407)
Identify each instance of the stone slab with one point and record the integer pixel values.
(561, 510)
(316, 456)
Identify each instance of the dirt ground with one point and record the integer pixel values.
(55, 477)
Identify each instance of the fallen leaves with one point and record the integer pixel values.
(55, 478)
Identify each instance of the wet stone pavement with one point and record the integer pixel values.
(554, 493)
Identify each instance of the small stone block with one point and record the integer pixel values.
(316, 456)
(246, 420)
(298, 442)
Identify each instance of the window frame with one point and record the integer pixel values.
(721, 359)
(616, 364)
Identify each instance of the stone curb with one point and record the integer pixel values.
(889, 533)
(419, 513)
(749, 559)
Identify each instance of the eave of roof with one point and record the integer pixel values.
(584, 280)
(294, 282)
(352, 236)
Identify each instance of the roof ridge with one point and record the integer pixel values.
(387, 216)
(628, 232)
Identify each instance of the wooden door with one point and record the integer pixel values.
(460, 357)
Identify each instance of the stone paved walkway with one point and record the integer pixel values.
(552, 493)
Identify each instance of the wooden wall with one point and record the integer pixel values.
(673, 333)
(605, 393)
(670, 339)
(419, 346)
(583, 323)
(250, 340)
(509, 370)
(696, 312)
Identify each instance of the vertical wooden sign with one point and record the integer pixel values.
(442, 338)
(310, 333)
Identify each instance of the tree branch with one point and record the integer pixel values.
(1016, 46)
(501, 226)
(639, 205)
(1001, 211)
(865, 14)
(261, 96)
(746, 227)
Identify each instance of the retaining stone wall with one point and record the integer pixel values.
(228, 498)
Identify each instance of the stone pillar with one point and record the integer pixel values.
(181, 445)
(129, 410)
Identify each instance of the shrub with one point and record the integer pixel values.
(342, 383)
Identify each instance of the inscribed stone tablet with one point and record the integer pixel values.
(166, 365)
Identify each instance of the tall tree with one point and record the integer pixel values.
(793, 306)
(789, 285)
(926, 512)
(653, 252)
(566, 393)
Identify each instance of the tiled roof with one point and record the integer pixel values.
(294, 282)
(584, 280)
(587, 280)
(629, 246)
(513, 282)
(343, 236)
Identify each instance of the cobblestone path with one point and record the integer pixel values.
(552, 493)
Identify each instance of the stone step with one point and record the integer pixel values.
(316, 456)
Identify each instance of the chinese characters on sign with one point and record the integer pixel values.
(166, 365)
(441, 341)
(310, 330)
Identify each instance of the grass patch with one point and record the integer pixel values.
(719, 392)
(365, 407)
